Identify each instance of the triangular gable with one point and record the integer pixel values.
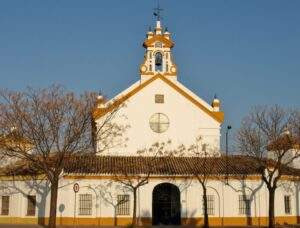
(99, 112)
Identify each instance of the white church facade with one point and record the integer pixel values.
(155, 109)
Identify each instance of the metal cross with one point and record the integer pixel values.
(157, 12)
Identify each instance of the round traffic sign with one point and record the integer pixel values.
(76, 187)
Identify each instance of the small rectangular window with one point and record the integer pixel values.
(210, 205)
(85, 204)
(287, 204)
(158, 45)
(204, 147)
(5, 205)
(31, 205)
(123, 205)
(159, 98)
(244, 205)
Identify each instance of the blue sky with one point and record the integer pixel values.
(247, 52)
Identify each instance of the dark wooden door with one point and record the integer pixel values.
(166, 205)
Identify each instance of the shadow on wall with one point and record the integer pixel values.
(248, 195)
(191, 220)
(43, 191)
(39, 188)
(61, 209)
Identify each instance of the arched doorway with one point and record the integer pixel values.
(166, 209)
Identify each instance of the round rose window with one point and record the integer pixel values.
(159, 122)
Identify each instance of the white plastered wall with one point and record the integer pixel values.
(187, 121)
(226, 197)
(18, 202)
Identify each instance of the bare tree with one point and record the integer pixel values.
(45, 128)
(108, 125)
(247, 191)
(268, 136)
(203, 170)
(295, 128)
(132, 179)
(109, 193)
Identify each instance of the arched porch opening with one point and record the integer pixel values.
(166, 208)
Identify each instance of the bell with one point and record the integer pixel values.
(158, 59)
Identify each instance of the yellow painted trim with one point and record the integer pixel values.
(110, 177)
(296, 147)
(21, 178)
(164, 74)
(214, 221)
(98, 113)
(148, 73)
(18, 220)
(215, 177)
(170, 74)
(113, 177)
(218, 116)
(167, 42)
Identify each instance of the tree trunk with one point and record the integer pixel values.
(115, 216)
(53, 203)
(271, 207)
(134, 208)
(206, 224)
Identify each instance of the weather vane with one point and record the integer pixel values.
(157, 12)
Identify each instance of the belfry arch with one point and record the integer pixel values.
(158, 61)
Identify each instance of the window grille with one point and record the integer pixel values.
(123, 207)
(85, 204)
(287, 204)
(159, 98)
(31, 205)
(159, 122)
(210, 205)
(244, 205)
(5, 205)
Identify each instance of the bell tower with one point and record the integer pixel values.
(158, 55)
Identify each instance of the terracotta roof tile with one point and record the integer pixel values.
(233, 165)
(111, 165)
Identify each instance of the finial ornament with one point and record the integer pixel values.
(158, 57)
(99, 97)
(216, 103)
(157, 12)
